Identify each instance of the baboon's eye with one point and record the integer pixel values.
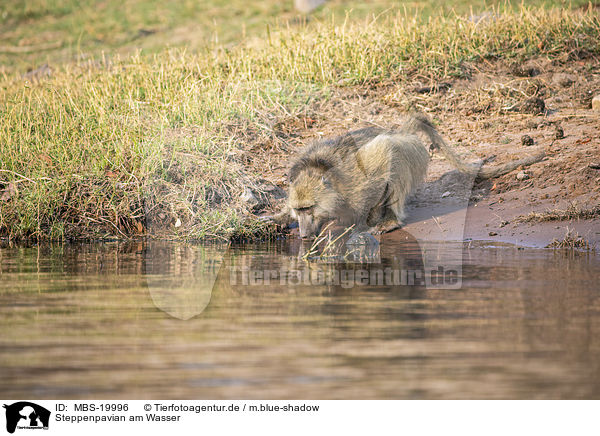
(304, 209)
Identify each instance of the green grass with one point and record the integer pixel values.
(100, 145)
(82, 28)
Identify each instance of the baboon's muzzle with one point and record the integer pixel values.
(309, 229)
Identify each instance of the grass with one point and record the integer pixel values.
(570, 213)
(571, 241)
(124, 145)
(35, 32)
(326, 246)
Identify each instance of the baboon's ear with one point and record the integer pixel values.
(325, 180)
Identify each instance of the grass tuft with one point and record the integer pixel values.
(572, 212)
(571, 241)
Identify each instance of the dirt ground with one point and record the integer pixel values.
(484, 116)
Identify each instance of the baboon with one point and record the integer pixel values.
(364, 177)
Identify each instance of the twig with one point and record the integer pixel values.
(331, 243)
(320, 238)
(438, 223)
(17, 174)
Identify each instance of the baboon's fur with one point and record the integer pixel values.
(419, 123)
(364, 177)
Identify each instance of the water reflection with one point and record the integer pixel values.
(120, 321)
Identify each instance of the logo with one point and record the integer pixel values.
(26, 415)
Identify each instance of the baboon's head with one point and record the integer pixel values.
(312, 201)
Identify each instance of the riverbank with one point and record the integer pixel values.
(182, 145)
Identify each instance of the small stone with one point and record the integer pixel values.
(504, 223)
(522, 175)
(493, 234)
(178, 223)
(446, 194)
(526, 140)
(559, 133)
(521, 70)
(362, 247)
(438, 87)
(362, 238)
(596, 103)
(533, 106)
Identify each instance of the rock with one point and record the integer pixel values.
(522, 175)
(439, 87)
(446, 194)
(559, 133)
(362, 238)
(533, 106)
(178, 223)
(526, 140)
(596, 102)
(493, 234)
(362, 247)
(522, 70)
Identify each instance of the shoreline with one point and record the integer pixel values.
(197, 146)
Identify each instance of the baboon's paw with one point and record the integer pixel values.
(386, 227)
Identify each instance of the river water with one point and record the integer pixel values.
(170, 320)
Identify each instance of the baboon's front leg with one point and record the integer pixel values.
(388, 223)
(361, 225)
(283, 218)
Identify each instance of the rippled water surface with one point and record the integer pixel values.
(157, 320)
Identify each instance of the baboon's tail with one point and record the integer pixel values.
(420, 123)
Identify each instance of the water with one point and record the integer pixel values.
(136, 321)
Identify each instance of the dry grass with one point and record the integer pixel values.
(572, 212)
(327, 246)
(572, 240)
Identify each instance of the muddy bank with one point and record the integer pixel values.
(502, 111)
